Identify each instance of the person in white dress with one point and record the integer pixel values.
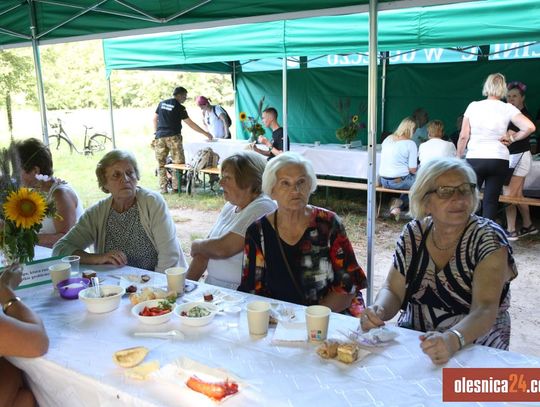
(37, 173)
(435, 147)
(221, 252)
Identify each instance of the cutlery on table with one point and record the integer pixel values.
(174, 334)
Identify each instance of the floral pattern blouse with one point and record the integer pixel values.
(322, 260)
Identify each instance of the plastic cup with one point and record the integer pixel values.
(59, 272)
(176, 279)
(233, 315)
(258, 314)
(317, 318)
(74, 261)
(317, 143)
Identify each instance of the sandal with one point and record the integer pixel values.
(531, 230)
(512, 236)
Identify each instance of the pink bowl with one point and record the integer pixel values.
(70, 287)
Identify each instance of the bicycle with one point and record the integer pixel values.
(96, 142)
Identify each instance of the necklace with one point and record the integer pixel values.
(443, 249)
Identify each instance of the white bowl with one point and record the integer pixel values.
(196, 321)
(158, 319)
(110, 300)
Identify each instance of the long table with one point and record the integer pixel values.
(78, 369)
(333, 159)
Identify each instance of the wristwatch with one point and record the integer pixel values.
(8, 304)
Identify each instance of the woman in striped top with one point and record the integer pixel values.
(451, 268)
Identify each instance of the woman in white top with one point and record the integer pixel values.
(435, 147)
(214, 118)
(399, 160)
(37, 171)
(483, 133)
(221, 252)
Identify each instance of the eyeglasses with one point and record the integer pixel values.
(447, 192)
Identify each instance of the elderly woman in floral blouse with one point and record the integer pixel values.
(300, 253)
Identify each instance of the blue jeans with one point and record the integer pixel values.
(405, 183)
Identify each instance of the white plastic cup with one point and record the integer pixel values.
(233, 315)
(258, 314)
(59, 272)
(176, 279)
(74, 261)
(317, 143)
(317, 318)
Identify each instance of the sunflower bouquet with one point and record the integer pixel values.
(251, 124)
(22, 211)
(350, 124)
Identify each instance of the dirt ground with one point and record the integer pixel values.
(525, 338)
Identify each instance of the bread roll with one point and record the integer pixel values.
(130, 357)
(328, 349)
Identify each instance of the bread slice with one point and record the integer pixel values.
(347, 352)
(130, 357)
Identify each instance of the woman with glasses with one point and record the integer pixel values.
(451, 269)
(520, 166)
(131, 227)
(220, 254)
(300, 253)
(483, 134)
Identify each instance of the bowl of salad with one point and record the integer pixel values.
(196, 313)
(154, 312)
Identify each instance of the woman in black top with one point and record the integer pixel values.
(520, 161)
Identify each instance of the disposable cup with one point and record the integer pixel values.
(59, 272)
(317, 143)
(74, 261)
(317, 318)
(176, 279)
(233, 315)
(258, 314)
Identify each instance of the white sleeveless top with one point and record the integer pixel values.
(47, 226)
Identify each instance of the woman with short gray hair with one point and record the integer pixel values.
(131, 227)
(300, 253)
(483, 134)
(451, 270)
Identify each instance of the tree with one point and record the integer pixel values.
(15, 76)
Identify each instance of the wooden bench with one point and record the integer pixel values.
(181, 169)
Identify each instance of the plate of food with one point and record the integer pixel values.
(212, 296)
(196, 313)
(347, 352)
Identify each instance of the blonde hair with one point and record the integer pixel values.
(435, 129)
(495, 85)
(406, 128)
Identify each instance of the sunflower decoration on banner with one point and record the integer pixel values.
(22, 211)
(251, 124)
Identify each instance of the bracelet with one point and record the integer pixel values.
(460, 337)
(8, 304)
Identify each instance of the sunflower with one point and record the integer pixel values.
(25, 207)
(243, 116)
(355, 118)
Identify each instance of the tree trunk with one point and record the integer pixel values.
(9, 113)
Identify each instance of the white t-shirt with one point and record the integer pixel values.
(228, 272)
(214, 123)
(397, 157)
(47, 226)
(435, 148)
(489, 121)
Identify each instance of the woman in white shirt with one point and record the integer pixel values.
(483, 133)
(221, 252)
(214, 118)
(399, 160)
(435, 147)
(37, 173)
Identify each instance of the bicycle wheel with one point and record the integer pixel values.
(59, 138)
(97, 142)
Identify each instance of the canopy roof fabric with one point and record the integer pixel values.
(63, 20)
(474, 23)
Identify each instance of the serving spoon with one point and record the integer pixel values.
(174, 334)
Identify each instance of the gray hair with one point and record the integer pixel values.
(281, 161)
(247, 168)
(495, 85)
(426, 182)
(111, 158)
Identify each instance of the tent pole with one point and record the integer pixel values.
(236, 112)
(39, 79)
(383, 87)
(372, 144)
(111, 111)
(285, 132)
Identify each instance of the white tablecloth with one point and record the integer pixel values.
(78, 369)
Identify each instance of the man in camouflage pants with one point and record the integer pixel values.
(168, 131)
